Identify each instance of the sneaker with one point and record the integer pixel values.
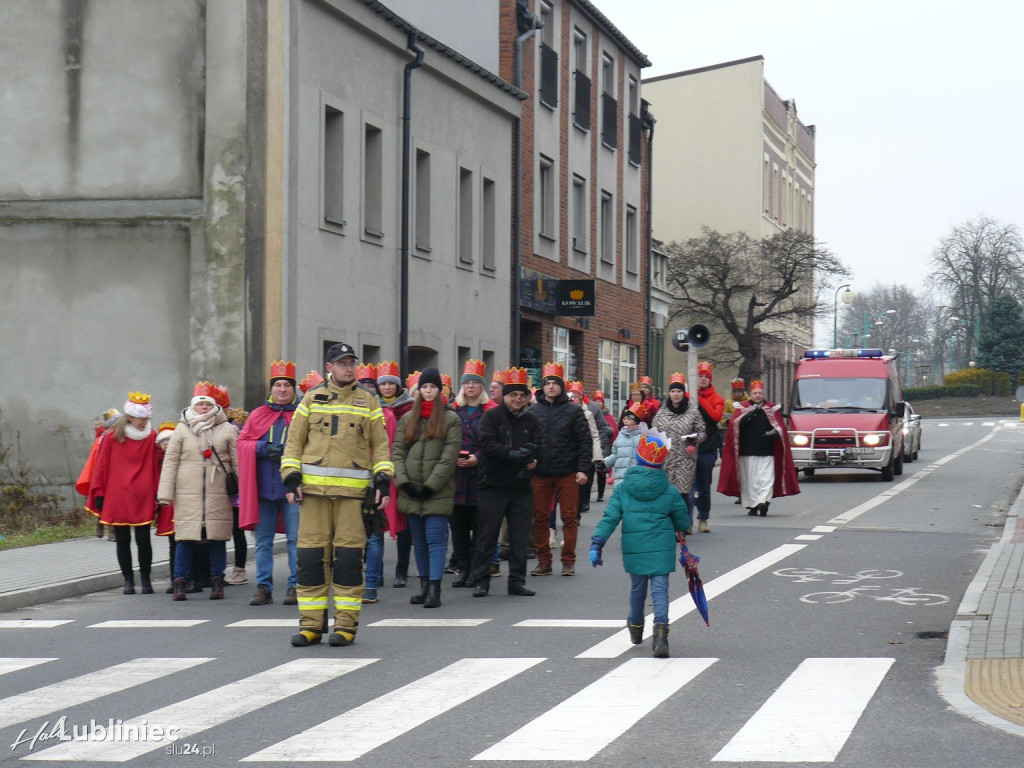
(542, 569)
(568, 569)
(263, 596)
(495, 569)
(399, 582)
(703, 527)
(370, 596)
(237, 577)
(290, 597)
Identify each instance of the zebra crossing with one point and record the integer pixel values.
(807, 718)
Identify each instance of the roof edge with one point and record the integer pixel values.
(708, 68)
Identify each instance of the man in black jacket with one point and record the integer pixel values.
(510, 443)
(563, 467)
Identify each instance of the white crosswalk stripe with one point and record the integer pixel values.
(811, 715)
(202, 712)
(77, 690)
(377, 722)
(33, 623)
(587, 722)
(13, 665)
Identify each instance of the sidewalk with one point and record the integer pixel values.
(982, 676)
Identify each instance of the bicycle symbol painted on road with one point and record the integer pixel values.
(902, 596)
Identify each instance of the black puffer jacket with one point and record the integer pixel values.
(499, 432)
(567, 442)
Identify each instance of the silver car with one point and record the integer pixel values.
(911, 434)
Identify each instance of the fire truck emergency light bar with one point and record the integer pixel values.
(819, 354)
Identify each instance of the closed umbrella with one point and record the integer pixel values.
(689, 562)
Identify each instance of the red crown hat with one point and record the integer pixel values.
(516, 376)
(598, 395)
(221, 396)
(635, 386)
(311, 379)
(387, 373)
(205, 389)
(498, 376)
(576, 386)
(647, 380)
(446, 380)
(651, 449)
(738, 384)
(366, 372)
(412, 380)
(553, 369)
(677, 378)
(638, 410)
(757, 384)
(282, 369)
(705, 368)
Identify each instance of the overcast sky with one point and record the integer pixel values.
(919, 108)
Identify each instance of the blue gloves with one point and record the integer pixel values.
(596, 545)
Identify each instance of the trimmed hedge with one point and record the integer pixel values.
(989, 382)
(931, 393)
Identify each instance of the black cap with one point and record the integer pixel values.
(340, 350)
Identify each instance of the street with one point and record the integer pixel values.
(828, 620)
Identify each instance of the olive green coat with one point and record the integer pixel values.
(428, 462)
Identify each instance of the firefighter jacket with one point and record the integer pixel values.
(337, 441)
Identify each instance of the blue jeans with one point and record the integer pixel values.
(266, 528)
(183, 558)
(638, 596)
(429, 544)
(374, 562)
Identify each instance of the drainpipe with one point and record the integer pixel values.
(403, 330)
(517, 164)
(647, 122)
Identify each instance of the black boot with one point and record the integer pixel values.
(659, 642)
(420, 597)
(147, 585)
(636, 631)
(129, 584)
(764, 509)
(433, 595)
(179, 589)
(752, 511)
(217, 588)
(460, 578)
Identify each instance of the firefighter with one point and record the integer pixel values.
(336, 458)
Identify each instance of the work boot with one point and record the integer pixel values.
(568, 569)
(542, 569)
(129, 584)
(291, 597)
(147, 585)
(460, 579)
(341, 637)
(263, 596)
(179, 589)
(752, 511)
(703, 527)
(420, 597)
(305, 637)
(636, 631)
(217, 588)
(659, 641)
(433, 594)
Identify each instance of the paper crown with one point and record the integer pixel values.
(635, 386)
(387, 373)
(310, 380)
(474, 368)
(139, 398)
(598, 395)
(705, 368)
(552, 369)
(576, 386)
(412, 380)
(498, 376)
(446, 380)
(648, 381)
(366, 372)
(166, 425)
(677, 378)
(221, 397)
(204, 389)
(738, 384)
(517, 376)
(637, 409)
(757, 384)
(282, 369)
(652, 448)
(238, 415)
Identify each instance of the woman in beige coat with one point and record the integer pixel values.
(200, 454)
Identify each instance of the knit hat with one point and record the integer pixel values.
(203, 392)
(553, 372)
(652, 448)
(387, 373)
(138, 405)
(474, 370)
(678, 381)
(281, 369)
(430, 376)
(515, 380)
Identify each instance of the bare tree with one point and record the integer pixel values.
(977, 261)
(753, 289)
(893, 315)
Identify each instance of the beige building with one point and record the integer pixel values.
(734, 156)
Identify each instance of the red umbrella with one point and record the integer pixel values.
(689, 562)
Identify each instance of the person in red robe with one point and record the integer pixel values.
(757, 464)
(123, 485)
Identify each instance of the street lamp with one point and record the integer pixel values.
(848, 298)
(878, 319)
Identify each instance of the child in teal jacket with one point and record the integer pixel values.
(652, 512)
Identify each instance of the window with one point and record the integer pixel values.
(609, 106)
(373, 179)
(488, 217)
(547, 20)
(632, 263)
(422, 234)
(635, 126)
(607, 226)
(579, 50)
(616, 368)
(547, 197)
(579, 213)
(580, 81)
(465, 216)
(548, 57)
(334, 155)
(560, 351)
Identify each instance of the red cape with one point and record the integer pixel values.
(126, 475)
(785, 473)
(256, 426)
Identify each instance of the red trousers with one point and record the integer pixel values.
(568, 492)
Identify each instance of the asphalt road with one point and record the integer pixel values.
(828, 621)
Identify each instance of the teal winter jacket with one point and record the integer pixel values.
(651, 510)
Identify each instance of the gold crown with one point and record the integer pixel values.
(576, 295)
(140, 398)
(166, 425)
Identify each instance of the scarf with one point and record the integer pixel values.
(138, 434)
(681, 408)
(427, 408)
(201, 424)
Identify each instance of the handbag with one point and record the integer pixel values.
(230, 478)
